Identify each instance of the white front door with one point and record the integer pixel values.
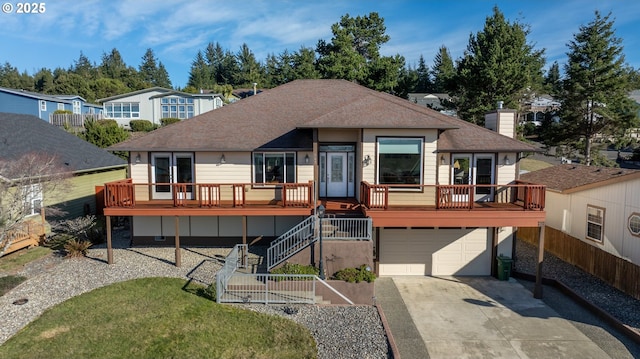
(477, 170)
(336, 174)
(170, 168)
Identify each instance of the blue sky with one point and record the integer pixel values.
(177, 29)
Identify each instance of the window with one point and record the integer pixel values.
(60, 106)
(43, 105)
(400, 160)
(634, 224)
(274, 167)
(595, 223)
(122, 110)
(77, 107)
(32, 199)
(177, 107)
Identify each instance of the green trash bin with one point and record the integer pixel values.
(504, 267)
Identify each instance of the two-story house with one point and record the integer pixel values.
(156, 103)
(441, 194)
(43, 106)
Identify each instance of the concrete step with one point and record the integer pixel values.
(320, 300)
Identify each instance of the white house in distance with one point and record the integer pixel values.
(156, 103)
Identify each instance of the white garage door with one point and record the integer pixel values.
(435, 252)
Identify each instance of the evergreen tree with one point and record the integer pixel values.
(200, 74)
(424, 80)
(595, 97)
(443, 71)
(250, 69)
(407, 82)
(354, 53)
(43, 81)
(552, 81)
(83, 67)
(153, 71)
(498, 65)
(304, 64)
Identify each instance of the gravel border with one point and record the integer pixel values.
(339, 331)
(618, 304)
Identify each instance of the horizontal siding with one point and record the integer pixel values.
(80, 191)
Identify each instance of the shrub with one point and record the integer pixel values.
(294, 268)
(168, 121)
(76, 248)
(84, 228)
(62, 112)
(141, 125)
(356, 275)
(108, 122)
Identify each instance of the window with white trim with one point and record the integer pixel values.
(274, 167)
(60, 106)
(595, 223)
(77, 107)
(634, 224)
(122, 110)
(43, 105)
(177, 107)
(32, 195)
(399, 160)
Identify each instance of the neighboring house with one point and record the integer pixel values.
(441, 194)
(433, 100)
(597, 205)
(156, 103)
(535, 109)
(89, 165)
(43, 106)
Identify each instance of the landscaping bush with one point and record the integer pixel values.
(168, 121)
(294, 268)
(141, 125)
(108, 123)
(82, 229)
(76, 248)
(62, 112)
(356, 275)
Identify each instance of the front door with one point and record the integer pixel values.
(337, 172)
(167, 169)
(476, 170)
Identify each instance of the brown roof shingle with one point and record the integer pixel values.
(569, 178)
(283, 117)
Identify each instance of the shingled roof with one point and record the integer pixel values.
(568, 178)
(24, 134)
(283, 117)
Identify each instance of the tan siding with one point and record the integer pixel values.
(338, 135)
(506, 173)
(80, 190)
(236, 169)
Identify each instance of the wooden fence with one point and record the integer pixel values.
(72, 120)
(612, 269)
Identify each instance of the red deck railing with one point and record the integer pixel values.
(526, 196)
(126, 194)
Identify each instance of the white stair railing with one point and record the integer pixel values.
(291, 242)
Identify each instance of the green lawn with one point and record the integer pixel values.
(156, 318)
(529, 164)
(16, 260)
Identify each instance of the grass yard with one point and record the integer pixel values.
(16, 260)
(156, 318)
(529, 164)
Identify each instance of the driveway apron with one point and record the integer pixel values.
(478, 317)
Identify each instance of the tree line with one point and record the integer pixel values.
(499, 64)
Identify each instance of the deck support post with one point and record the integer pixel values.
(244, 229)
(178, 259)
(537, 290)
(494, 251)
(109, 246)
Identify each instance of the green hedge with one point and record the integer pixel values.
(141, 125)
(168, 121)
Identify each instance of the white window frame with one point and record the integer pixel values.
(33, 199)
(421, 154)
(595, 218)
(77, 107)
(633, 224)
(60, 106)
(43, 105)
(177, 107)
(110, 108)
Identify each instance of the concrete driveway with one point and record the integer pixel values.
(476, 317)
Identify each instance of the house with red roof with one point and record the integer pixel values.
(405, 189)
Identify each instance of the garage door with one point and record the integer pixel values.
(435, 252)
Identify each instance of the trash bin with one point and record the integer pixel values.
(504, 267)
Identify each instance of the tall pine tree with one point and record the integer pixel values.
(595, 91)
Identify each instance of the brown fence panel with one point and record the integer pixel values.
(612, 269)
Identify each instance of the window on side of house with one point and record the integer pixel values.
(177, 107)
(32, 199)
(399, 160)
(122, 110)
(60, 106)
(77, 107)
(634, 224)
(273, 167)
(595, 223)
(43, 105)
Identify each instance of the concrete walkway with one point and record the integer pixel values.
(476, 317)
